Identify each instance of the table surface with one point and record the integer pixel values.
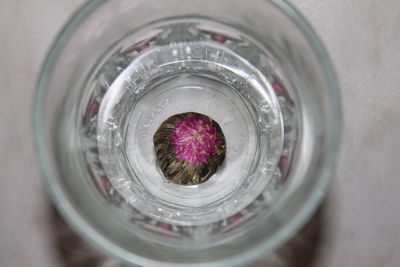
(358, 223)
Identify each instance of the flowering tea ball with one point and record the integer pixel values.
(189, 148)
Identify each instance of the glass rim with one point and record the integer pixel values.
(77, 221)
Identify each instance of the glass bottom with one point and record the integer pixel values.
(206, 74)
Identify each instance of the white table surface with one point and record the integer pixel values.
(358, 224)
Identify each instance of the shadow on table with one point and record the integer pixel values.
(300, 251)
(72, 250)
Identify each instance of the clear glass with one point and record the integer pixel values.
(120, 68)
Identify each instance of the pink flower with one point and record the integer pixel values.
(143, 47)
(218, 38)
(278, 88)
(194, 139)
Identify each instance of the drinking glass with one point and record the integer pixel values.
(121, 67)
